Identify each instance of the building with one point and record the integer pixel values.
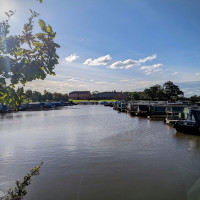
(80, 95)
(105, 95)
(111, 95)
(121, 96)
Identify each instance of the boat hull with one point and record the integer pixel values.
(187, 129)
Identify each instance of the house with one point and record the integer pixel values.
(111, 95)
(80, 95)
(105, 95)
(121, 96)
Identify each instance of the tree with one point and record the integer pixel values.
(147, 94)
(25, 57)
(48, 96)
(59, 96)
(171, 90)
(20, 95)
(134, 96)
(195, 98)
(93, 95)
(37, 96)
(28, 95)
(10, 96)
(156, 92)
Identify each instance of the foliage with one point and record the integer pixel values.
(36, 96)
(28, 95)
(20, 190)
(25, 57)
(171, 90)
(135, 95)
(154, 92)
(11, 96)
(157, 92)
(195, 98)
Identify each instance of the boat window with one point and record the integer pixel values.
(177, 109)
(160, 109)
(191, 117)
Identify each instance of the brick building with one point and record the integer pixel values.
(80, 95)
(111, 95)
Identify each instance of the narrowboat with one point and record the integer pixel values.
(191, 125)
(122, 106)
(174, 114)
(142, 110)
(157, 111)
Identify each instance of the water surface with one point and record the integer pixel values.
(96, 153)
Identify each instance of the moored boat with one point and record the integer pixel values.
(191, 125)
(174, 114)
(4, 108)
(157, 111)
(122, 106)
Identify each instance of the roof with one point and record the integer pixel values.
(106, 95)
(80, 92)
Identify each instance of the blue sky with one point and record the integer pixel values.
(118, 45)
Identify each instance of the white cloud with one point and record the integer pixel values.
(72, 79)
(131, 63)
(152, 68)
(149, 58)
(174, 73)
(123, 64)
(100, 82)
(103, 60)
(197, 74)
(71, 58)
(123, 81)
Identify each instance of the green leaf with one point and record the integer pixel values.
(49, 29)
(42, 25)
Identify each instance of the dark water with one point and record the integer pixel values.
(96, 153)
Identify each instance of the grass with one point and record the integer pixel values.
(76, 101)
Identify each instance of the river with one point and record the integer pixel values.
(95, 153)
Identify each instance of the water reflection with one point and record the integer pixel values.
(193, 141)
(6, 116)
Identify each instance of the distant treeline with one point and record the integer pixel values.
(36, 96)
(167, 91)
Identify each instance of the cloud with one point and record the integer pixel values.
(149, 58)
(123, 81)
(153, 68)
(174, 73)
(100, 82)
(72, 79)
(71, 58)
(197, 74)
(103, 60)
(131, 63)
(123, 64)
